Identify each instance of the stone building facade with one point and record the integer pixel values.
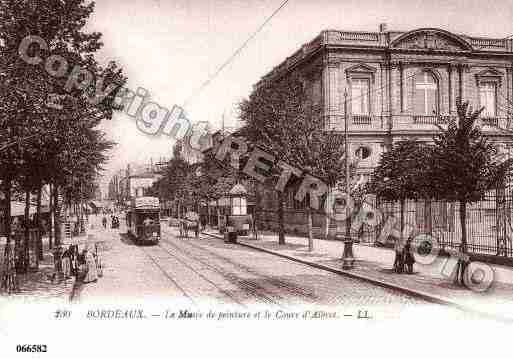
(400, 84)
(396, 85)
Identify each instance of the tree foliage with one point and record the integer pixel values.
(281, 119)
(41, 143)
(399, 174)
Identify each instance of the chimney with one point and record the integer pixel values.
(383, 27)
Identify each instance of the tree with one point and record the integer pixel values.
(399, 176)
(51, 145)
(175, 182)
(463, 168)
(281, 119)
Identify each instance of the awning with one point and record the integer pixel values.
(18, 209)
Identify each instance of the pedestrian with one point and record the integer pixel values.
(104, 222)
(72, 259)
(66, 263)
(44, 227)
(98, 261)
(80, 264)
(91, 273)
(399, 256)
(203, 222)
(148, 221)
(409, 259)
(197, 229)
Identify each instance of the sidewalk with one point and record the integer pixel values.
(43, 284)
(374, 264)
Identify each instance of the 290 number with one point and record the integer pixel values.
(26, 348)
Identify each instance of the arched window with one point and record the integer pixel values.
(426, 94)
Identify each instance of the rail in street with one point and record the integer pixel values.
(208, 271)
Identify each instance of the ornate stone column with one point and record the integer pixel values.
(331, 92)
(450, 71)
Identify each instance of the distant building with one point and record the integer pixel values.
(134, 181)
(98, 194)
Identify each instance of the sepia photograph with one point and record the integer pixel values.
(279, 178)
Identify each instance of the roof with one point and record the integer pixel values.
(97, 204)
(238, 189)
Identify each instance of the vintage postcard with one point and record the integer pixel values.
(255, 178)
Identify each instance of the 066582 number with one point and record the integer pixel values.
(27, 348)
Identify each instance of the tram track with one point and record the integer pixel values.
(290, 288)
(253, 289)
(202, 276)
(277, 284)
(166, 274)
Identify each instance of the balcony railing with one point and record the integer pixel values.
(429, 120)
(487, 43)
(362, 119)
(358, 36)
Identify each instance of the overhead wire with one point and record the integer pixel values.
(220, 68)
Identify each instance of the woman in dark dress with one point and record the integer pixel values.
(409, 259)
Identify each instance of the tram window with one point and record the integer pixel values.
(154, 216)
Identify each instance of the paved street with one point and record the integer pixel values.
(209, 271)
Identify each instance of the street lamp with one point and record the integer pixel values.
(347, 256)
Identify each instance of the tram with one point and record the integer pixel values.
(143, 219)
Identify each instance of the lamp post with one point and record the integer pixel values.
(347, 256)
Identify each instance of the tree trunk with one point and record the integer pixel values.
(57, 216)
(428, 226)
(208, 212)
(310, 235)
(500, 220)
(348, 224)
(7, 210)
(38, 224)
(218, 214)
(402, 217)
(8, 279)
(326, 227)
(81, 211)
(461, 265)
(281, 218)
(255, 213)
(26, 239)
(399, 246)
(51, 225)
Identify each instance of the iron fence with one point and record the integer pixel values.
(488, 222)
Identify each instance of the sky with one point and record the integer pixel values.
(170, 47)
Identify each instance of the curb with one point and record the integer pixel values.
(415, 293)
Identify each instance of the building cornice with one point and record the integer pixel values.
(424, 41)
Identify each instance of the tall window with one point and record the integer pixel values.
(426, 94)
(360, 96)
(487, 98)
